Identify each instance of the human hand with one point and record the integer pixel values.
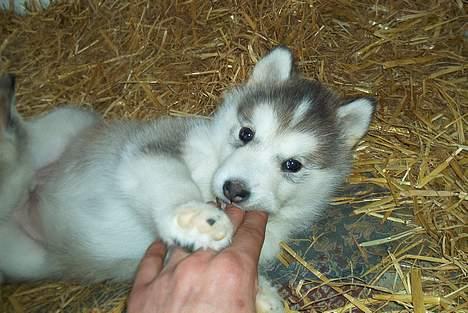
(205, 281)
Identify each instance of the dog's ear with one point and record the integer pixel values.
(276, 66)
(354, 117)
(7, 100)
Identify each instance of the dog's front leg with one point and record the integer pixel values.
(164, 190)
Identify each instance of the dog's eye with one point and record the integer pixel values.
(291, 165)
(246, 134)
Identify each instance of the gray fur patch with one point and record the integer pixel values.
(167, 136)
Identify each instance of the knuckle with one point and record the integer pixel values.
(182, 272)
(234, 277)
(201, 256)
(231, 263)
(255, 232)
(195, 263)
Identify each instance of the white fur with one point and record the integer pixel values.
(268, 300)
(46, 147)
(300, 111)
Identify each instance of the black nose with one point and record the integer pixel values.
(235, 190)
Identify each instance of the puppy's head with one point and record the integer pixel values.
(286, 140)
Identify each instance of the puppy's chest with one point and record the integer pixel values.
(202, 161)
(202, 171)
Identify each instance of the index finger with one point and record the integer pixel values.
(150, 265)
(250, 234)
(236, 216)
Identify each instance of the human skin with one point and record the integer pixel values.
(204, 281)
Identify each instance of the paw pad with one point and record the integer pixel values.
(210, 222)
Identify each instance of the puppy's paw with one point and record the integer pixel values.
(201, 225)
(268, 300)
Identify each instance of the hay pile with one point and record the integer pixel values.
(142, 59)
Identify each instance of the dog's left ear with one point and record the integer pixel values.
(354, 117)
(276, 66)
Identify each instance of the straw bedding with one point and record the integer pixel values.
(140, 59)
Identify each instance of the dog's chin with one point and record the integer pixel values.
(222, 203)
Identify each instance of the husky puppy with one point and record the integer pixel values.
(94, 195)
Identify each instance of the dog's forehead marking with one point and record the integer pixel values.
(265, 121)
(300, 111)
(285, 142)
(294, 144)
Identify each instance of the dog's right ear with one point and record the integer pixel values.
(354, 117)
(276, 66)
(7, 100)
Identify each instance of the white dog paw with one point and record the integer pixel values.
(202, 225)
(268, 300)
